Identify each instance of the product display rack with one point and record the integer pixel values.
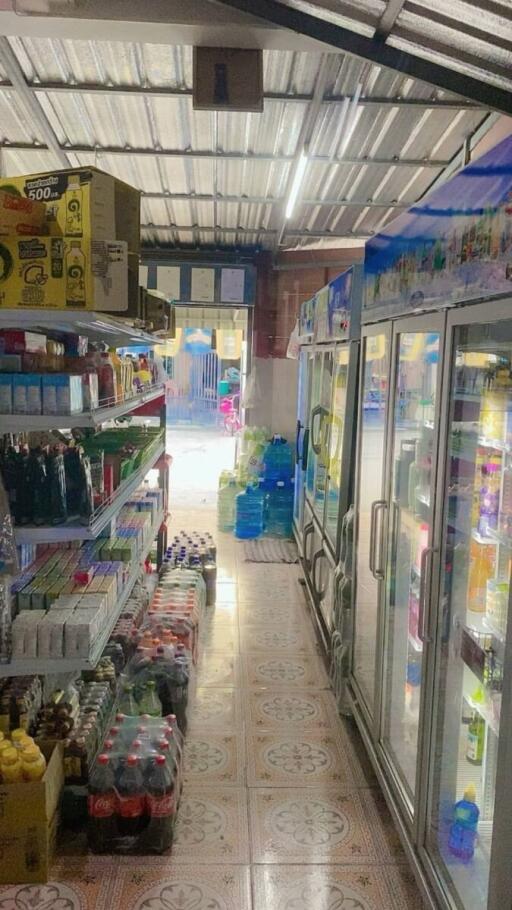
(107, 410)
(115, 332)
(41, 667)
(100, 518)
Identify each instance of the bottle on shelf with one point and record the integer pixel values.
(475, 740)
(463, 831)
(102, 806)
(482, 564)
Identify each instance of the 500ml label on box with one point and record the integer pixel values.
(60, 273)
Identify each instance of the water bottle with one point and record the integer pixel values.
(249, 513)
(279, 514)
(278, 460)
(463, 831)
(226, 503)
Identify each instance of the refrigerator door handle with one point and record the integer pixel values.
(376, 505)
(319, 412)
(307, 531)
(305, 447)
(297, 440)
(379, 571)
(318, 555)
(425, 566)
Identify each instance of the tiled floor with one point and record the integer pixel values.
(280, 810)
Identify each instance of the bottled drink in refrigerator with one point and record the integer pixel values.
(131, 797)
(160, 805)
(127, 702)
(101, 806)
(463, 831)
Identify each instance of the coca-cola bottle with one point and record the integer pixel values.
(161, 806)
(131, 800)
(101, 806)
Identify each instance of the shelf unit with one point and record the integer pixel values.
(100, 518)
(24, 423)
(116, 332)
(42, 666)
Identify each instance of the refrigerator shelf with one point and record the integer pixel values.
(499, 539)
(485, 711)
(483, 541)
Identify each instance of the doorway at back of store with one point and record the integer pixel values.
(206, 365)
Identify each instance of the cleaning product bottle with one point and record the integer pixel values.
(463, 831)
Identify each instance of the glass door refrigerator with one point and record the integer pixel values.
(328, 370)
(431, 668)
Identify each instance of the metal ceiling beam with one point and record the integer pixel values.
(337, 36)
(35, 114)
(388, 19)
(273, 200)
(231, 156)
(265, 232)
(157, 91)
(452, 21)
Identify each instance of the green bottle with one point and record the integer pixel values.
(127, 702)
(476, 739)
(149, 702)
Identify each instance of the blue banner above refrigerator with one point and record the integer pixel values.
(453, 247)
(325, 445)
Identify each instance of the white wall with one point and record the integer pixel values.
(277, 408)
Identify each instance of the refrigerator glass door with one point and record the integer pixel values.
(301, 438)
(320, 430)
(476, 562)
(412, 452)
(337, 409)
(371, 459)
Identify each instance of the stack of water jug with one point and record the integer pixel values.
(263, 505)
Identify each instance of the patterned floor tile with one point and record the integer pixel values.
(219, 637)
(214, 758)
(383, 827)
(276, 671)
(73, 889)
(298, 709)
(310, 759)
(175, 886)
(212, 826)
(217, 669)
(215, 709)
(330, 888)
(295, 638)
(271, 612)
(311, 826)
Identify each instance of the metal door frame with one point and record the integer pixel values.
(499, 872)
(427, 323)
(304, 357)
(347, 445)
(368, 331)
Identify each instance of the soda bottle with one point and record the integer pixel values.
(127, 703)
(131, 801)
(150, 702)
(161, 806)
(101, 806)
(179, 693)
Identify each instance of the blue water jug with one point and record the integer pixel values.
(278, 460)
(279, 510)
(249, 513)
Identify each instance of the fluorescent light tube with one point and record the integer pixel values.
(351, 120)
(296, 184)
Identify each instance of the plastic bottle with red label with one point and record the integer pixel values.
(160, 806)
(102, 806)
(131, 797)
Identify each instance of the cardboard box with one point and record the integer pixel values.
(21, 216)
(52, 273)
(84, 203)
(28, 823)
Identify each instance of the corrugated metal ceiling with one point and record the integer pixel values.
(127, 108)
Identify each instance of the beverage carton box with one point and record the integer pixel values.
(84, 203)
(29, 821)
(19, 215)
(56, 273)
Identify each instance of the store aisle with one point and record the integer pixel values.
(280, 810)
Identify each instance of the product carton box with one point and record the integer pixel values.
(28, 823)
(21, 216)
(84, 203)
(53, 273)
